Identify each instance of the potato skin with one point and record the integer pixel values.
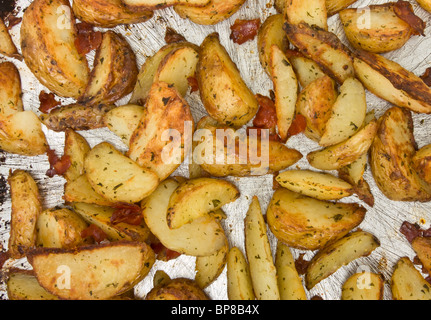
(177, 289)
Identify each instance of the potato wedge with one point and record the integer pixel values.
(76, 148)
(177, 289)
(318, 185)
(116, 177)
(202, 237)
(363, 286)
(59, 228)
(21, 133)
(311, 12)
(94, 272)
(22, 285)
(307, 70)
(390, 158)
(114, 73)
(380, 31)
(346, 152)
(101, 216)
(196, 198)
(258, 251)
(407, 283)
(335, 6)
(217, 74)
(108, 14)
(212, 13)
(338, 254)
(422, 246)
(160, 4)
(209, 268)
(10, 89)
(48, 36)
(425, 4)
(163, 136)
(347, 113)
(392, 82)
(286, 89)
(289, 281)
(303, 222)
(239, 284)
(315, 103)
(80, 190)
(324, 47)
(7, 46)
(421, 163)
(26, 208)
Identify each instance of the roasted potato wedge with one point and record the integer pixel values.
(101, 216)
(160, 4)
(392, 82)
(114, 73)
(381, 32)
(80, 190)
(289, 282)
(307, 70)
(347, 113)
(239, 284)
(216, 74)
(202, 237)
(318, 185)
(26, 208)
(212, 13)
(286, 89)
(422, 246)
(315, 103)
(332, 6)
(10, 89)
(324, 47)
(407, 283)
(116, 177)
(177, 289)
(311, 12)
(421, 163)
(334, 256)
(262, 269)
(390, 158)
(198, 197)
(48, 36)
(363, 286)
(306, 223)
(426, 4)
(7, 46)
(94, 272)
(209, 268)
(22, 285)
(76, 148)
(108, 14)
(346, 152)
(59, 228)
(160, 142)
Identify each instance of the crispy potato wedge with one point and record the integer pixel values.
(315, 103)
(209, 268)
(392, 82)
(239, 283)
(303, 222)
(217, 74)
(80, 190)
(116, 177)
(335, 6)
(160, 4)
(202, 237)
(196, 198)
(347, 113)
(26, 208)
(48, 36)
(422, 246)
(7, 46)
(270, 33)
(161, 141)
(114, 73)
(289, 282)
(390, 158)
(379, 32)
(59, 228)
(338, 254)
(346, 152)
(76, 116)
(94, 272)
(318, 185)
(76, 148)
(22, 285)
(407, 283)
(425, 4)
(311, 12)
(108, 14)
(212, 13)
(363, 286)
(324, 47)
(262, 269)
(10, 89)
(306, 69)
(101, 216)
(177, 289)
(421, 162)
(286, 89)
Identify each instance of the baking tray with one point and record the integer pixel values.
(383, 220)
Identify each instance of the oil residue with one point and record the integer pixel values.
(6, 7)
